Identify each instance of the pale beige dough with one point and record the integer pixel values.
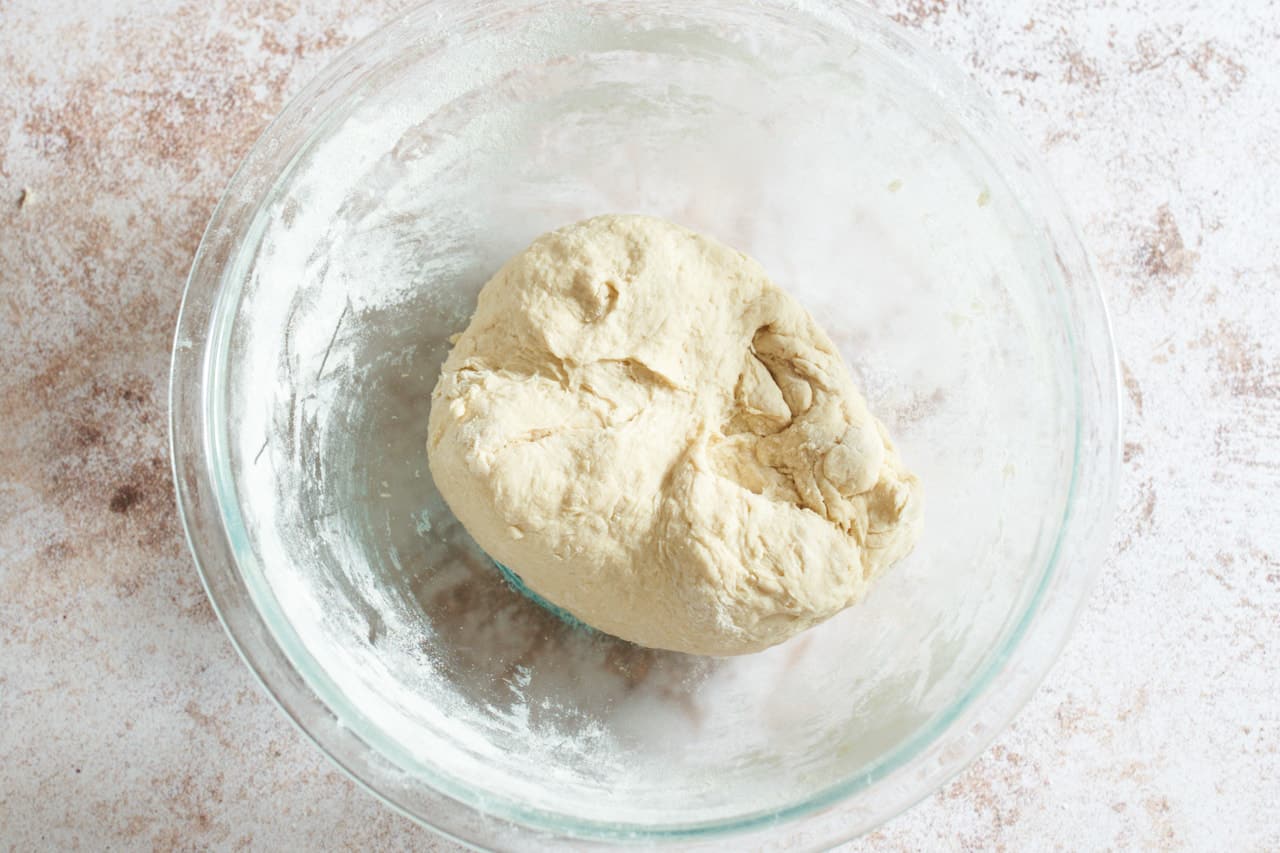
(663, 442)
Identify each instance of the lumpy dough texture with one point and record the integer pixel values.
(661, 441)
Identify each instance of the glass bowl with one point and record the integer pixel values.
(870, 181)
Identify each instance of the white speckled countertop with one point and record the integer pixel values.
(127, 721)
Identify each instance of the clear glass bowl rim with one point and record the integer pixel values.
(916, 768)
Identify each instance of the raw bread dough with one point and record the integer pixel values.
(661, 441)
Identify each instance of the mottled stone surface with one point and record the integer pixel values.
(126, 720)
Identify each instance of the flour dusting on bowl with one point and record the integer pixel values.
(871, 187)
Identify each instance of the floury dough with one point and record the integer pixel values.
(661, 441)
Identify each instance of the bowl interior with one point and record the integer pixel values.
(863, 185)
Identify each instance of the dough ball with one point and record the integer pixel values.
(661, 441)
